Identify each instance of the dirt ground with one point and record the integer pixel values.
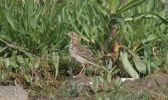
(155, 86)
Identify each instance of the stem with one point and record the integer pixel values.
(17, 48)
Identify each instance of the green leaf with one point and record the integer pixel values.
(10, 20)
(147, 15)
(20, 59)
(28, 78)
(149, 38)
(109, 76)
(115, 19)
(127, 65)
(55, 60)
(156, 62)
(141, 66)
(167, 58)
(130, 5)
(2, 49)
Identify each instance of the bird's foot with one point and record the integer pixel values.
(79, 75)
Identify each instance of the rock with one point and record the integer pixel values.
(12, 93)
(156, 86)
(148, 83)
(38, 98)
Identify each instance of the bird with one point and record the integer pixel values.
(79, 52)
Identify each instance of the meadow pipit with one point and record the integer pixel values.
(79, 52)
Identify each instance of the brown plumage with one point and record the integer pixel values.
(79, 52)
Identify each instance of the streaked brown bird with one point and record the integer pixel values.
(79, 52)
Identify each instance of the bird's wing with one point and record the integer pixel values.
(87, 50)
(85, 53)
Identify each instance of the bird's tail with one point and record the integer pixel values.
(99, 66)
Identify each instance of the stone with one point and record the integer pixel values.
(12, 93)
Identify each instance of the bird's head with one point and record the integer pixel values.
(73, 35)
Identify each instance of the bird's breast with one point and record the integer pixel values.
(74, 54)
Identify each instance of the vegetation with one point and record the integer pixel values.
(128, 38)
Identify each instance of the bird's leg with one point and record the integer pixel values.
(81, 72)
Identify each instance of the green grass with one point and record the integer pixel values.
(34, 47)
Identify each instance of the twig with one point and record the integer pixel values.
(17, 48)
